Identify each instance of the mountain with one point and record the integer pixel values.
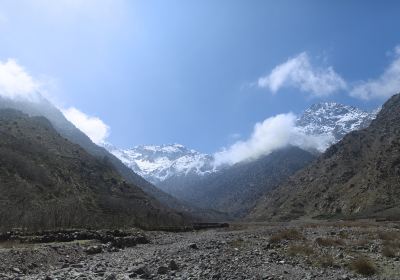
(157, 163)
(357, 177)
(42, 107)
(235, 189)
(171, 167)
(333, 120)
(49, 182)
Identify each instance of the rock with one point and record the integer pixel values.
(16, 270)
(173, 265)
(111, 276)
(162, 270)
(216, 276)
(92, 250)
(32, 265)
(193, 246)
(140, 270)
(267, 247)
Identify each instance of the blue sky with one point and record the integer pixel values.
(202, 73)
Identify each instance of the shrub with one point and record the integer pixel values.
(326, 261)
(388, 252)
(304, 250)
(363, 266)
(287, 234)
(388, 235)
(329, 242)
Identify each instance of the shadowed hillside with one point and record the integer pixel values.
(235, 190)
(48, 182)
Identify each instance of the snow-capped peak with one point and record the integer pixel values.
(334, 119)
(159, 162)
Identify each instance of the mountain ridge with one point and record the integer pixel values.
(161, 164)
(356, 177)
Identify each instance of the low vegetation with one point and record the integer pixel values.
(388, 252)
(326, 261)
(363, 266)
(330, 242)
(304, 250)
(389, 235)
(287, 234)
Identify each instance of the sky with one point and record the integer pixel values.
(205, 74)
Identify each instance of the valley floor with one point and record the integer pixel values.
(336, 250)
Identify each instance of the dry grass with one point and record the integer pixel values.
(330, 242)
(389, 235)
(287, 234)
(353, 224)
(363, 266)
(237, 243)
(303, 250)
(388, 252)
(326, 261)
(361, 243)
(343, 234)
(395, 244)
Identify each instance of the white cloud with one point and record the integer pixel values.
(384, 86)
(271, 134)
(298, 72)
(93, 127)
(16, 83)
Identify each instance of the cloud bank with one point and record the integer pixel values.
(271, 134)
(16, 83)
(384, 86)
(93, 127)
(298, 72)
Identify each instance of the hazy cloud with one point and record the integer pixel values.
(16, 83)
(271, 134)
(298, 72)
(384, 86)
(93, 127)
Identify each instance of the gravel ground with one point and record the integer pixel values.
(243, 251)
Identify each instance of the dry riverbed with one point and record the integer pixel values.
(336, 250)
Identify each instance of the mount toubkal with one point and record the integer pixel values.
(158, 163)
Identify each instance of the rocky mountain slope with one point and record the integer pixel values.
(359, 176)
(234, 190)
(49, 182)
(42, 107)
